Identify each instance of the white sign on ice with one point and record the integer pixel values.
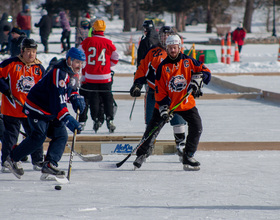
(118, 148)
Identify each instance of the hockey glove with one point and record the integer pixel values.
(197, 83)
(135, 90)
(71, 123)
(78, 102)
(164, 113)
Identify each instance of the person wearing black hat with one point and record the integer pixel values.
(45, 29)
(5, 47)
(5, 27)
(17, 38)
(149, 39)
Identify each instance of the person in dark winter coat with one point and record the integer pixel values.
(149, 39)
(4, 26)
(17, 38)
(24, 20)
(45, 29)
(66, 33)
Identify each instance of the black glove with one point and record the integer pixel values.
(197, 83)
(135, 90)
(164, 113)
(71, 123)
(9, 96)
(78, 102)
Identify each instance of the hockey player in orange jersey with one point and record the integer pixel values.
(17, 77)
(145, 74)
(175, 75)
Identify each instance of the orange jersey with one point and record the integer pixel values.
(21, 78)
(146, 71)
(173, 78)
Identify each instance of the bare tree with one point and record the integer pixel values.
(126, 15)
(247, 20)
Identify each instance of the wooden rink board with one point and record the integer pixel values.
(92, 145)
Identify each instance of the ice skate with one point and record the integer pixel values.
(49, 168)
(83, 124)
(97, 125)
(14, 167)
(190, 163)
(37, 166)
(5, 169)
(180, 149)
(139, 161)
(111, 126)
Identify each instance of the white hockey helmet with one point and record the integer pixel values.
(173, 39)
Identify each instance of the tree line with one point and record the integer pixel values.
(134, 12)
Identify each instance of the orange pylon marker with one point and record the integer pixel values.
(236, 53)
(223, 58)
(279, 52)
(228, 48)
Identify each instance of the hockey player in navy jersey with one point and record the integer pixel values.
(48, 115)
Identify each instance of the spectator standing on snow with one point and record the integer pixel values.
(239, 35)
(5, 28)
(47, 113)
(149, 38)
(146, 74)
(82, 32)
(66, 31)
(45, 29)
(17, 76)
(24, 20)
(176, 73)
(101, 56)
(17, 38)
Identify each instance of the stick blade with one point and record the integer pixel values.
(95, 158)
(108, 166)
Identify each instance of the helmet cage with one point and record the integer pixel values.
(164, 32)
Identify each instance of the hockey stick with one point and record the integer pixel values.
(130, 116)
(72, 148)
(152, 132)
(95, 158)
(120, 91)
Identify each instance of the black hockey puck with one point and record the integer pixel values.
(57, 187)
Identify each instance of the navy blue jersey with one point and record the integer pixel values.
(47, 99)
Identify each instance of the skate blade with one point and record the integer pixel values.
(190, 168)
(49, 177)
(12, 170)
(5, 170)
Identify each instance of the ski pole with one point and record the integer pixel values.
(72, 148)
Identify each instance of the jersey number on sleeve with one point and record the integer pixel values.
(92, 56)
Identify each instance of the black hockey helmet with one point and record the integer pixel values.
(164, 32)
(28, 43)
(148, 25)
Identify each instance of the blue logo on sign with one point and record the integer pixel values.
(123, 148)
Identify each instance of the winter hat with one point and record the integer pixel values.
(26, 7)
(16, 30)
(44, 12)
(240, 24)
(84, 23)
(99, 25)
(6, 28)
